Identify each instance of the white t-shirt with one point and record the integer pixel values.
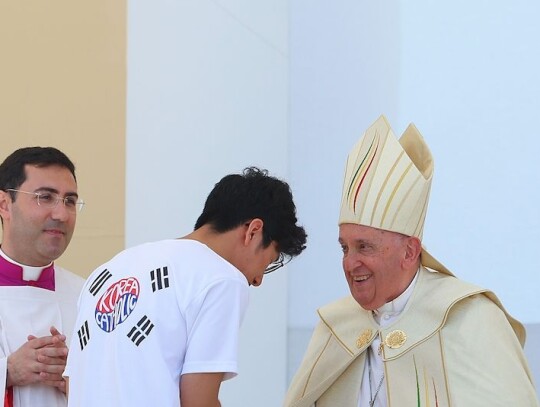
(152, 313)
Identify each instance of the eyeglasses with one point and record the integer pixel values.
(280, 262)
(49, 200)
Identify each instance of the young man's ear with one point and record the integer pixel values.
(253, 231)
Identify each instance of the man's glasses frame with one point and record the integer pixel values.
(280, 262)
(50, 200)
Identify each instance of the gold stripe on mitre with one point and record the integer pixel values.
(387, 182)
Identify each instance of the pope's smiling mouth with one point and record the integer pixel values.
(360, 279)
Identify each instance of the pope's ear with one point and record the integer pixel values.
(413, 249)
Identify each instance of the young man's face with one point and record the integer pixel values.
(372, 262)
(262, 258)
(36, 235)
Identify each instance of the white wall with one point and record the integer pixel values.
(207, 96)
(470, 81)
(214, 86)
(466, 73)
(344, 73)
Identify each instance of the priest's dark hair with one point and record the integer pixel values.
(12, 171)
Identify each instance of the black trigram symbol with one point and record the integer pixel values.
(141, 331)
(160, 278)
(99, 281)
(84, 335)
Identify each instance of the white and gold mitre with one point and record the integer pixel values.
(387, 183)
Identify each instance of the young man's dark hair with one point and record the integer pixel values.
(12, 171)
(239, 198)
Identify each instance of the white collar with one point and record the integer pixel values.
(30, 273)
(397, 305)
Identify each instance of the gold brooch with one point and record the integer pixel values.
(363, 338)
(395, 339)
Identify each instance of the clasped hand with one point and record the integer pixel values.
(39, 360)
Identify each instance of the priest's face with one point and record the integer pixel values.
(374, 263)
(36, 232)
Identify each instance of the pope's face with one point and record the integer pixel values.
(372, 262)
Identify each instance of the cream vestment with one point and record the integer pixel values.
(453, 345)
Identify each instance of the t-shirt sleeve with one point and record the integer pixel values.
(74, 341)
(213, 322)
